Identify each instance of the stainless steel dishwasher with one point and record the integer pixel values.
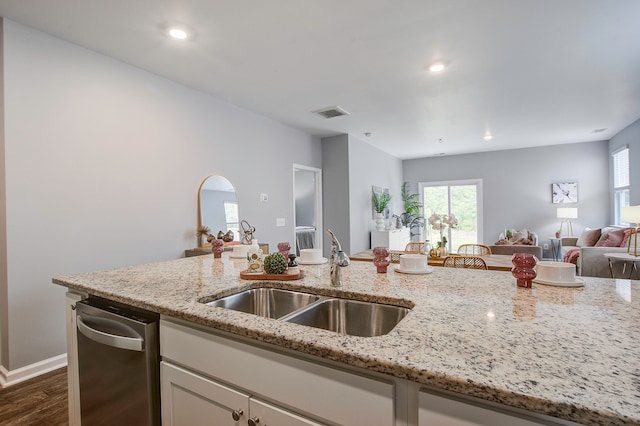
(118, 364)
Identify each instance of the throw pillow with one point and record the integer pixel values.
(611, 239)
(589, 237)
(520, 235)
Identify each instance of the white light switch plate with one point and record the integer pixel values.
(264, 198)
(280, 221)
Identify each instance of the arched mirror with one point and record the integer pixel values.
(218, 207)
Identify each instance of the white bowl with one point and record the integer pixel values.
(561, 272)
(240, 250)
(413, 262)
(311, 255)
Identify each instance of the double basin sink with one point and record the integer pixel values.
(344, 316)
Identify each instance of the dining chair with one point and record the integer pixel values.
(414, 247)
(474, 250)
(469, 262)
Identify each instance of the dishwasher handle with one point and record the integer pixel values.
(121, 342)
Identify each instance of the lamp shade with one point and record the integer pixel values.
(567, 213)
(630, 214)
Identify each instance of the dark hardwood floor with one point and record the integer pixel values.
(39, 401)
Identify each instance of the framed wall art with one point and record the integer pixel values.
(565, 192)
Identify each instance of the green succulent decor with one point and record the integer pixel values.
(380, 201)
(275, 263)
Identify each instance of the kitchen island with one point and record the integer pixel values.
(570, 353)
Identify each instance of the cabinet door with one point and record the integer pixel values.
(192, 400)
(265, 414)
(437, 410)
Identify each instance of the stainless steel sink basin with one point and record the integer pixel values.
(266, 302)
(350, 317)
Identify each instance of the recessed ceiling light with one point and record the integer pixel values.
(487, 137)
(178, 32)
(436, 67)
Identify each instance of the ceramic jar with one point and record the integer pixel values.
(381, 259)
(522, 270)
(216, 248)
(284, 248)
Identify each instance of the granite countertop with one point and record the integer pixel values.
(572, 353)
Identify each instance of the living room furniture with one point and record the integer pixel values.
(556, 248)
(414, 247)
(495, 262)
(522, 241)
(393, 239)
(625, 259)
(474, 250)
(516, 248)
(591, 261)
(468, 262)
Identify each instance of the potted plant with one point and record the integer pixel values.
(380, 204)
(411, 216)
(439, 222)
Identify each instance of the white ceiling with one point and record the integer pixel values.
(530, 72)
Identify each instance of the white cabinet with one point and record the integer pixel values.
(310, 390)
(435, 409)
(393, 239)
(192, 400)
(72, 357)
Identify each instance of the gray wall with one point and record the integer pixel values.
(102, 167)
(517, 184)
(629, 136)
(369, 166)
(351, 168)
(335, 191)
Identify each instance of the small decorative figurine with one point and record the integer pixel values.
(228, 237)
(523, 264)
(247, 232)
(292, 268)
(220, 235)
(216, 248)
(254, 257)
(284, 248)
(381, 259)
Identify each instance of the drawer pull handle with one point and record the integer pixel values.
(253, 421)
(236, 414)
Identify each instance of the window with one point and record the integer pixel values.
(460, 198)
(231, 217)
(620, 181)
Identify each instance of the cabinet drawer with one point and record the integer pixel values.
(303, 386)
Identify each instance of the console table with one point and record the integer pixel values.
(393, 239)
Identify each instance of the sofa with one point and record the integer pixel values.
(522, 241)
(587, 251)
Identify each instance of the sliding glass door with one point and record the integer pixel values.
(460, 198)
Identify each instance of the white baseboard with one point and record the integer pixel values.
(8, 378)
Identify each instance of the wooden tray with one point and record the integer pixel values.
(264, 276)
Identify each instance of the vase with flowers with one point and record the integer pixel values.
(440, 222)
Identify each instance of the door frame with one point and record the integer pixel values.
(317, 203)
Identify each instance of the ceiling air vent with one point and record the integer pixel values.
(331, 112)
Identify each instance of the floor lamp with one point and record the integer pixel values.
(631, 214)
(566, 213)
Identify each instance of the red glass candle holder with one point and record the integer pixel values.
(381, 259)
(284, 248)
(523, 264)
(216, 248)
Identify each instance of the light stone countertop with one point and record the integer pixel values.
(572, 353)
